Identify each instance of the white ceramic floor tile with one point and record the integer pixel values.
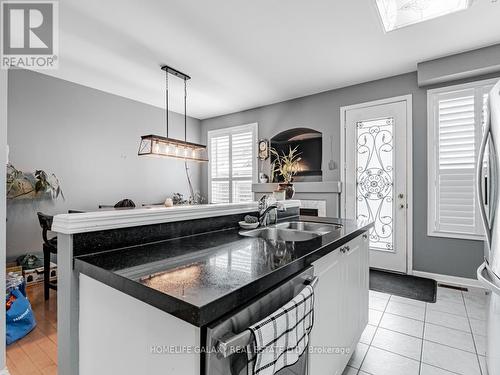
(350, 371)
(403, 325)
(407, 310)
(426, 369)
(479, 299)
(482, 364)
(449, 307)
(449, 295)
(451, 359)
(374, 317)
(408, 301)
(474, 290)
(448, 336)
(379, 295)
(381, 362)
(478, 326)
(358, 355)
(367, 335)
(377, 303)
(398, 343)
(447, 320)
(480, 344)
(476, 311)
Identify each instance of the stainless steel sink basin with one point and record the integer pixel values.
(310, 227)
(277, 234)
(293, 231)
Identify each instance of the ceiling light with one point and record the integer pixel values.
(157, 145)
(400, 13)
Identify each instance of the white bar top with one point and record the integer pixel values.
(123, 218)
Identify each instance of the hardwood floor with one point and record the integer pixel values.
(36, 353)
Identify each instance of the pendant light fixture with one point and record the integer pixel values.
(157, 145)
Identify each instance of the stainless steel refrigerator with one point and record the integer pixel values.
(488, 188)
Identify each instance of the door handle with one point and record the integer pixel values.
(485, 279)
(485, 190)
(479, 188)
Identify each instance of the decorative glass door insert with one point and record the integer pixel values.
(374, 179)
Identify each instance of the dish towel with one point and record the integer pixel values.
(281, 338)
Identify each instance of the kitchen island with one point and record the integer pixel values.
(147, 284)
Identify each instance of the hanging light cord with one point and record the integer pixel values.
(166, 98)
(185, 111)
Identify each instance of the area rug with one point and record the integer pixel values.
(413, 287)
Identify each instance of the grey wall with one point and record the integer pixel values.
(467, 64)
(322, 112)
(89, 139)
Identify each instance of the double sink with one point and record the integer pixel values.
(293, 231)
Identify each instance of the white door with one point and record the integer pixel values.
(376, 177)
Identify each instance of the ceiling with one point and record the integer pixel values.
(244, 54)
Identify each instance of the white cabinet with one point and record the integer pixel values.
(341, 306)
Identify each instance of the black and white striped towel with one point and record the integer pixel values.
(281, 338)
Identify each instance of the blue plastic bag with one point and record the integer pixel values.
(20, 319)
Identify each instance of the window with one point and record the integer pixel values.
(400, 13)
(455, 126)
(232, 165)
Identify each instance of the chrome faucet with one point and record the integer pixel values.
(265, 208)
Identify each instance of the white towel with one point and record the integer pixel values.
(281, 338)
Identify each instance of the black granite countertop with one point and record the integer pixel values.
(203, 277)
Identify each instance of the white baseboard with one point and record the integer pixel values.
(451, 280)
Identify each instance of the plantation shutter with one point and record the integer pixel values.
(232, 164)
(219, 160)
(242, 168)
(456, 167)
(455, 132)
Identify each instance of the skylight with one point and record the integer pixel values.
(400, 13)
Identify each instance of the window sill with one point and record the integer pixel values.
(457, 236)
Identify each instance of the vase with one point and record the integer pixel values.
(288, 188)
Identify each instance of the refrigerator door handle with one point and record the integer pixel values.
(485, 279)
(479, 188)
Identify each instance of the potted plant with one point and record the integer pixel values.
(31, 185)
(286, 166)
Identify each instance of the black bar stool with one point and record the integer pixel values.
(49, 247)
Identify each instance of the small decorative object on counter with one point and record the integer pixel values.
(169, 202)
(263, 179)
(250, 222)
(251, 219)
(125, 203)
(178, 198)
(287, 166)
(197, 198)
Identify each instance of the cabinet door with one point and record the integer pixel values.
(341, 306)
(327, 332)
(356, 280)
